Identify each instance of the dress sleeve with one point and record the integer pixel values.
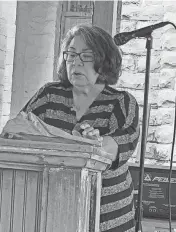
(124, 128)
(37, 104)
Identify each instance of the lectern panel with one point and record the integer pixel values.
(63, 197)
(20, 200)
(6, 197)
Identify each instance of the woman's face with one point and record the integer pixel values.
(81, 74)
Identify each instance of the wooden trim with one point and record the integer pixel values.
(20, 166)
(12, 200)
(44, 203)
(98, 197)
(119, 13)
(77, 14)
(25, 201)
(57, 39)
(103, 15)
(1, 188)
(84, 202)
(59, 154)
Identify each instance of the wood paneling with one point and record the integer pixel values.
(63, 198)
(6, 194)
(105, 15)
(56, 188)
(20, 200)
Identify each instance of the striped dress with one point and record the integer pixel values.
(114, 113)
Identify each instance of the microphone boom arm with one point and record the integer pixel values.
(124, 37)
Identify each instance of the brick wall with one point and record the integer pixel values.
(7, 44)
(35, 43)
(34, 50)
(137, 14)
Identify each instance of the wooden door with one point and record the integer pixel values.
(74, 13)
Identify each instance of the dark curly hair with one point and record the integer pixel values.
(108, 57)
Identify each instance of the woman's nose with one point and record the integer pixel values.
(77, 61)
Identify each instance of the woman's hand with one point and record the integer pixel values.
(90, 133)
(108, 143)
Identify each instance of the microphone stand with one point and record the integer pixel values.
(144, 134)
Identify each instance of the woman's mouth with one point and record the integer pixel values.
(77, 74)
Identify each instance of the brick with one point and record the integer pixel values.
(3, 43)
(3, 28)
(153, 12)
(167, 72)
(128, 62)
(151, 134)
(168, 59)
(163, 83)
(3, 121)
(9, 57)
(1, 75)
(139, 95)
(10, 43)
(8, 71)
(2, 59)
(141, 63)
(169, 6)
(7, 83)
(161, 116)
(163, 134)
(7, 96)
(7, 80)
(10, 7)
(170, 16)
(168, 41)
(6, 109)
(134, 47)
(158, 152)
(157, 98)
(166, 79)
(137, 2)
(150, 3)
(130, 11)
(127, 25)
(131, 80)
(156, 82)
(11, 30)
(166, 98)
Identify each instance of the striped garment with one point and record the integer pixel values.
(114, 113)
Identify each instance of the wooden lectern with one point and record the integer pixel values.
(49, 186)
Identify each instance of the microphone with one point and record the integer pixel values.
(124, 37)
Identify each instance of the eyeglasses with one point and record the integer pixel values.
(84, 56)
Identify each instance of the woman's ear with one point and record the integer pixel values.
(100, 70)
(101, 79)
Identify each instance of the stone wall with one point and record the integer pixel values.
(36, 36)
(35, 47)
(7, 44)
(137, 14)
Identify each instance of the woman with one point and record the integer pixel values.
(82, 102)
